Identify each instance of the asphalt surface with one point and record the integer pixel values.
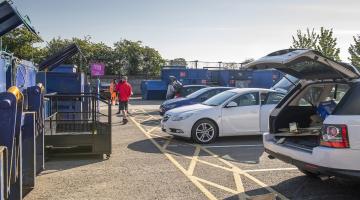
(148, 164)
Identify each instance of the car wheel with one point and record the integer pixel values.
(309, 173)
(204, 131)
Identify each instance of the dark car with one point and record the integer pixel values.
(193, 98)
(188, 89)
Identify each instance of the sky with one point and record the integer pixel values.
(206, 30)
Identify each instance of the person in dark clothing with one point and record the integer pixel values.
(173, 87)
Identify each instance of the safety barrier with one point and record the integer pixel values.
(87, 131)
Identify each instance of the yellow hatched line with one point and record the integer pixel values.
(166, 144)
(262, 184)
(205, 191)
(201, 161)
(239, 186)
(143, 120)
(194, 160)
(153, 129)
(234, 168)
(216, 185)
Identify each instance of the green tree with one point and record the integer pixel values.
(134, 58)
(90, 52)
(152, 61)
(306, 40)
(21, 43)
(323, 42)
(178, 62)
(327, 44)
(354, 51)
(126, 57)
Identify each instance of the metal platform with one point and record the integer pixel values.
(87, 133)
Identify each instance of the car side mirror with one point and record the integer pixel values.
(231, 104)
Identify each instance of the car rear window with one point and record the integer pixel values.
(349, 105)
(320, 93)
(309, 68)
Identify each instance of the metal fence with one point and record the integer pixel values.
(78, 123)
(197, 64)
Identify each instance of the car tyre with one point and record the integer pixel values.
(309, 173)
(204, 131)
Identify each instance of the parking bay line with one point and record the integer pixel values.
(168, 138)
(188, 173)
(196, 182)
(194, 160)
(205, 191)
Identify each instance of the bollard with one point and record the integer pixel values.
(11, 104)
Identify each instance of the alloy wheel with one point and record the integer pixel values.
(205, 132)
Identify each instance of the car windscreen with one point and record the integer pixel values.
(197, 93)
(219, 98)
(188, 90)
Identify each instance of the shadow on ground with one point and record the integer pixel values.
(57, 163)
(152, 122)
(237, 149)
(306, 188)
(139, 101)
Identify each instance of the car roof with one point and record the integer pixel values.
(218, 87)
(242, 90)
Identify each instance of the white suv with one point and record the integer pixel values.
(316, 127)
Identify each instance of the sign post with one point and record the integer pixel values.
(97, 69)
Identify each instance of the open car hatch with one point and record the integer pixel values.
(305, 64)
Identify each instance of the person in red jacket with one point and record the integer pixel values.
(125, 90)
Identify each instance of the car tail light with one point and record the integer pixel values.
(335, 136)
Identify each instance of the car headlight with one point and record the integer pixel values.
(181, 116)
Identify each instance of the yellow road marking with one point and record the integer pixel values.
(153, 129)
(216, 185)
(206, 192)
(166, 144)
(239, 185)
(194, 160)
(144, 120)
(201, 161)
(197, 180)
(262, 184)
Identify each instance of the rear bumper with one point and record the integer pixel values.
(316, 169)
(322, 160)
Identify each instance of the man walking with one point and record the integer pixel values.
(125, 90)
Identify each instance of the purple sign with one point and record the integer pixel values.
(97, 69)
